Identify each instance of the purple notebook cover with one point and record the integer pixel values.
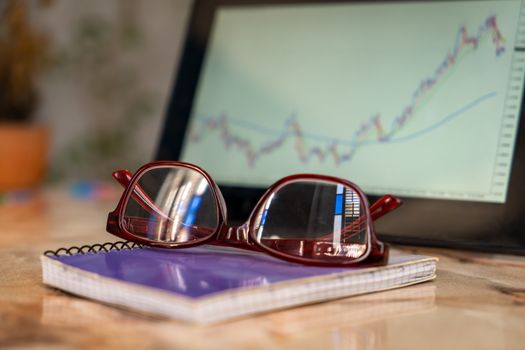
(193, 272)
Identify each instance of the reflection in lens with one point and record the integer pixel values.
(314, 220)
(171, 204)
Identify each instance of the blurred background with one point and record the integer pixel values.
(83, 87)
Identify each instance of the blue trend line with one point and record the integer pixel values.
(324, 138)
(445, 120)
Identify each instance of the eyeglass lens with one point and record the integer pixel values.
(315, 220)
(172, 205)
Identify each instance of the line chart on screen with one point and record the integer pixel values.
(402, 110)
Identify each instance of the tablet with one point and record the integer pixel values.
(420, 99)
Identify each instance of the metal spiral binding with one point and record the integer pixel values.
(95, 248)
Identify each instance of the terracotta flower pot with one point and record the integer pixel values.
(23, 156)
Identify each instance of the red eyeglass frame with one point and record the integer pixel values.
(243, 236)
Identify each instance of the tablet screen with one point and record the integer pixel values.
(420, 99)
(417, 99)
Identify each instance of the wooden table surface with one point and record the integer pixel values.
(476, 302)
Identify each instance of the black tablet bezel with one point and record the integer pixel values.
(446, 223)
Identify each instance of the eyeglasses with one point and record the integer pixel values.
(304, 218)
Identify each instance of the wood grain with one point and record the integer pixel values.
(476, 302)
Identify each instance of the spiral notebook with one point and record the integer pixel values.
(211, 284)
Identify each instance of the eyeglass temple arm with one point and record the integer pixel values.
(123, 177)
(384, 205)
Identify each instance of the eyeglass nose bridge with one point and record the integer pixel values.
(235, 234)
